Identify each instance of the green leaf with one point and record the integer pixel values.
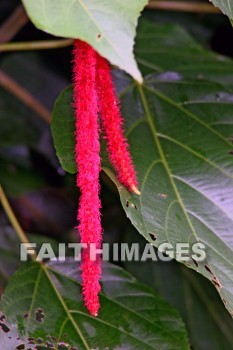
(156, 51)
(62, 127)
(45, 302)
(226, 6)
(10, 250)
(108, 26)
(185, 169)
(208, 322)
(180, 133)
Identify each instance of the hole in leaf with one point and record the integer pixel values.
(4, 327)
(39, 341)
(39, 313)
(63, 346)
(31, 341)
(152, 236)
(208, 269)
(131, 205)
(163, 195)
(216, 282)
(195, 262)
(20, 347)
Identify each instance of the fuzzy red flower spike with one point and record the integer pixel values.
(94, 92)
(87, 152)
(112, 122)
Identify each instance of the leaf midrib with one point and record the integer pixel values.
(162, 156)
(160, 149)
(85, 8)
(57, 272)
(114, 327)
(33, 300)
(69, 315)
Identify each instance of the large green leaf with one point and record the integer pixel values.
(109, 26)
(180, 133)
(45, 302)
(169, 47)
(185, 169)
(209, 324)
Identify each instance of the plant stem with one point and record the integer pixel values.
(11, 216)
(7, 31)
(25, 96)
(36, 45)
(13, 24)
(13, 220)
(183, 6)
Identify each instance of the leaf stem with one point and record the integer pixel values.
(183, 6)
(25, 96)
(13, 24)
(36, 45)
(12, 218)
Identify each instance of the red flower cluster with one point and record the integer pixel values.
(94, 93)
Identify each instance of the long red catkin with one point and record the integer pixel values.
(112, 122)
(87, 153)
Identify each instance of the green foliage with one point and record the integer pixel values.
(131, 316)
(156, 51)
(62, 128)
(179, 130)
(91, 21)
(208, 323)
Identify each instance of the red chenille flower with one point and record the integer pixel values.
(94, 92)
(112, 122)
(87, 152)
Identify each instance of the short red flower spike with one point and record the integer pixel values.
(94, 92)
